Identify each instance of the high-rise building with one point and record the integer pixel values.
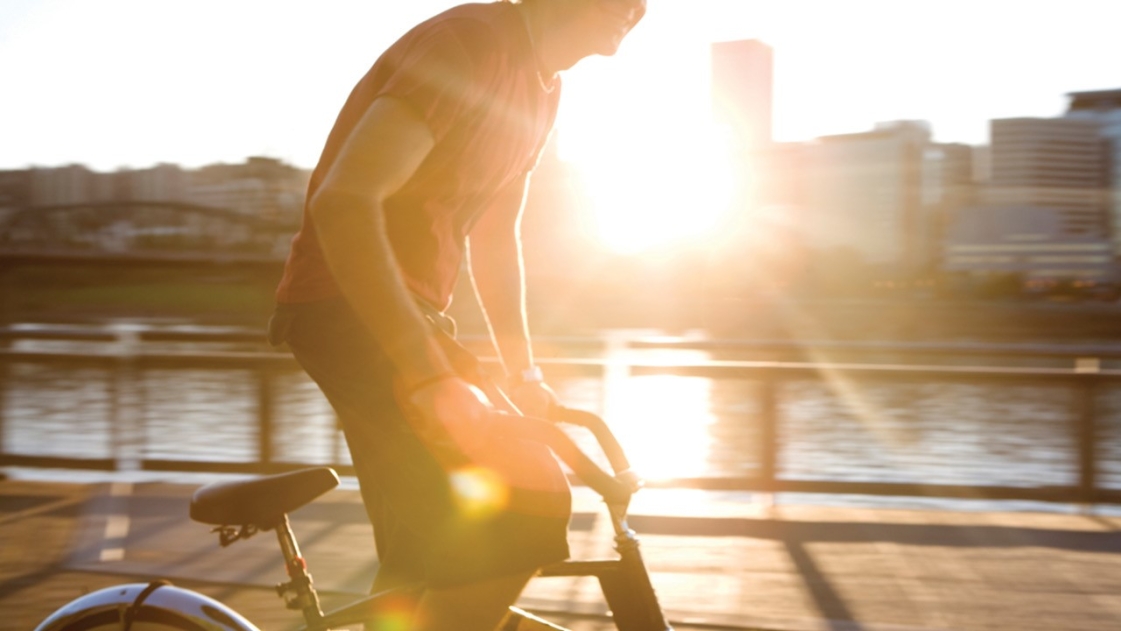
(15, 189)
(261, 187)
(742, 86)
(73, 184)
(161, 183)
(56, 186)
(864, 194)
(948, 188)
(1104, 106)
(1057, 163)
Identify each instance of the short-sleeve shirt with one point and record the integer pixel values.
(471, 74)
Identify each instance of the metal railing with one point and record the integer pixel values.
(49, 418)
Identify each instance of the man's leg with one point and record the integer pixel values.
(407, 492)
(474, 607)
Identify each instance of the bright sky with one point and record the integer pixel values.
(113, 83)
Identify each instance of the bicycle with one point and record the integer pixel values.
(241, 509)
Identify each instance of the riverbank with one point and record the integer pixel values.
(220, 296)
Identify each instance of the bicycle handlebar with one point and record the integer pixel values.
(615, 489)
(604, 436)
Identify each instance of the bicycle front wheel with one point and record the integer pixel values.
(145, 607)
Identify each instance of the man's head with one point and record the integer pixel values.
(588, 27)
(607, 22)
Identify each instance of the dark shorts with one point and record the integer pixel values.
(422, 534)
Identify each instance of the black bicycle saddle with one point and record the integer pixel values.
(260, 502)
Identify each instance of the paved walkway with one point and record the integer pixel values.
(716, 563)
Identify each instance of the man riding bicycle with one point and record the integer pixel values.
(428, 164)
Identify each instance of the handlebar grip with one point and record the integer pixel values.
(604, 436)
(613, 491)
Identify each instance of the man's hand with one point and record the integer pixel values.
(451, 413)
(534, 398)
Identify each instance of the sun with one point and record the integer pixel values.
(662, 188)
(664, 420)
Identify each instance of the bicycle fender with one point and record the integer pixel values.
(163, 609)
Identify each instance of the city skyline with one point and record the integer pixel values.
(129, 84)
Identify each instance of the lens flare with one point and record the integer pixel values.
(479, 492)
(396, 615)
(393, 621)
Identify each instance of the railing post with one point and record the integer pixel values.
(264, 417)
(4, 387)
(127, 431)
(9, 294)
(7, 316)
(1087, 441)
(115, 387)
(768, 433)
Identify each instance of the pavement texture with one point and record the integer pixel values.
(716, 563)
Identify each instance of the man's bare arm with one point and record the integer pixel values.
(495, 257)
(498, 274)
(381, 154)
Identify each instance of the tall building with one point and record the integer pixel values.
(948, 188)
(261, 187)
(1104, 106)
(15, 189)
(161, 183)
(59, 186)
(864, 194)
(742, 86)
(1057, 163)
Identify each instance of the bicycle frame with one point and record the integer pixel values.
(624, 581)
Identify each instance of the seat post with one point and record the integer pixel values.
(300, 586)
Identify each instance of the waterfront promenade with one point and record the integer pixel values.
(718, 561)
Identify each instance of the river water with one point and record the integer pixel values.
(1016, 433)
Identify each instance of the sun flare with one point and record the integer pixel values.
(673, 186)
(660, 418)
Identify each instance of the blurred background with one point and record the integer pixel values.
(857, 249)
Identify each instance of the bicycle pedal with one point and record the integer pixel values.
(283, 590)
(291, 597)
